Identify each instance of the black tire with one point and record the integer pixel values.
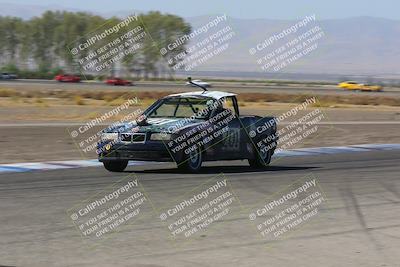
(261, 159)
(192, 162)
(115, 165)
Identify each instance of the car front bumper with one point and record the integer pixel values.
(149, 151)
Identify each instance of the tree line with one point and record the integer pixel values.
(40, 44)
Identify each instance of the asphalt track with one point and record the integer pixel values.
(359, 226)
(221, 86)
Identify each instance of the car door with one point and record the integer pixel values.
(231, 144)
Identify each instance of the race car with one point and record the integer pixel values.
(188, 129)
(68, 78)
(118, 81)
(194, 83)
(370, 87)
(351, 85)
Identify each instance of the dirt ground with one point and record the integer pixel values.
(34, 133)
(38, 129)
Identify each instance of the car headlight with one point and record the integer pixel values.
(109, 136)
(160, 137)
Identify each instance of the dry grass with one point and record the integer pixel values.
(117, 102)
(79, 100)
(39, 102)
(115, 98)
(92, 115)
(323, 100)
(5, 92)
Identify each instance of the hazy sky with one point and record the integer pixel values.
(277, 9)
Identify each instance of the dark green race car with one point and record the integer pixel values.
(190, 128)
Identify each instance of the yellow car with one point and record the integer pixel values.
(350, 85)
(370, 87)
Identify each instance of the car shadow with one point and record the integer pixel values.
(227, 169)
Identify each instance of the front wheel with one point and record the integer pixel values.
(262, 158)
(192, 162)
(115, 165)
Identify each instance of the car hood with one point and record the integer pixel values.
(154, 125)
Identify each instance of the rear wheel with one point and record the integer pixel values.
(261, 159)
(192, 162)
(115, 165)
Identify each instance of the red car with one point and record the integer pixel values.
(118, 81)
(68, 78)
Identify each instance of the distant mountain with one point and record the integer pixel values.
(360, 45)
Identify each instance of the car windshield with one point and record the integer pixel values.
(179, 107)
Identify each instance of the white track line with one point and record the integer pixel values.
(72, 164)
